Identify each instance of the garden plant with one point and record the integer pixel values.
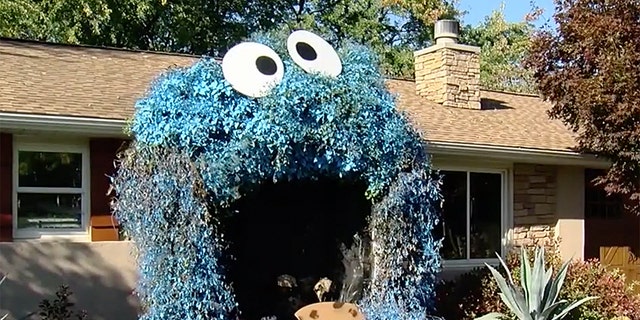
(536, 298)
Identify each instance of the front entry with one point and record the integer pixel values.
(612, 234)
(285, 237)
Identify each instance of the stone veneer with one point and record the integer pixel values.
(449, 74)
(534, 205)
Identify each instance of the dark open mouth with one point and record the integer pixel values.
(285, 237)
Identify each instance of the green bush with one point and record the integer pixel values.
(616, 298)
(469, 296)
(535, 296)
(60, 308)
(475, 293)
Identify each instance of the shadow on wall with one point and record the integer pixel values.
(101, 276)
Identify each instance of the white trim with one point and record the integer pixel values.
(508, 218)
(28, 144)
(22, 123)
(516, 154)
(469, 207)
(505, 219)
(447, 45)
(50, 189)
(97, 127)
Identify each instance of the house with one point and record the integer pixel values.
(511, 175)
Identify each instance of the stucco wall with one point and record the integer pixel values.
(570, 212)
(100, 274)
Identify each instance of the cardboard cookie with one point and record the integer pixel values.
(329, 311)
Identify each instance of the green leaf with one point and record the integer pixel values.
(525, 276)
(508, 294)
(574, 305)
(552, 309)
(558, 282)
(537, 286)
(492, 316)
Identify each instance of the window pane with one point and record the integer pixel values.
(49, 169)
(454, 215)
(486, 209)
(49, 211)
(598, 204)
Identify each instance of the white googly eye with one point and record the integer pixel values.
(252, 68)
(313, 54)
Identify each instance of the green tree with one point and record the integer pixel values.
(49, 20)
(190, 26)
(393, 28)
(504, 46)
(590, 69)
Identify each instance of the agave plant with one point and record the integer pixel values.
(6, 315)
(537, 296)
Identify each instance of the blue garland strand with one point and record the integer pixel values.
(199, 144)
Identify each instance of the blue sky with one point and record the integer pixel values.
(514, 10)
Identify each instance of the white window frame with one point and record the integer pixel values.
(81, 147)
(505, 220)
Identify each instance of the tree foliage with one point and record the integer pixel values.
(393, 28)
(590, 69)
(504, 45)
(189, 26)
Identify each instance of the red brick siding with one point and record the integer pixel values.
(6, 187)
(102, 154)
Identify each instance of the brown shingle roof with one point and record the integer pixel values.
(66, 80)
(38, 78)
(507, 119)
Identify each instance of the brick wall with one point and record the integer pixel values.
(450, 76)
(534, 205)
(6, 187)
(102, 154)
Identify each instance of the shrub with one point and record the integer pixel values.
(60, 308)
(475, 293)
(470, 295)
(535, 297)
(616, 297)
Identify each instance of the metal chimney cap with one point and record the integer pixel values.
(446, 31)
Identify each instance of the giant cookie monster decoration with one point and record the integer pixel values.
(275, 110)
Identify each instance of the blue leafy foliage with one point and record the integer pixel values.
(199, 145)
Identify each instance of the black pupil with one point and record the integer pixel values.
(306, 51)
(266, 65)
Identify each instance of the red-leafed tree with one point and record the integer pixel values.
(589, 67)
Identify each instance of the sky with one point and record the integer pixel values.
(514, 10)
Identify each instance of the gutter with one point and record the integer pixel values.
(516, 154)
(96, 127)
(29, 123)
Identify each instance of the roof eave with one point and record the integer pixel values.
(516, 154)
(20, 123)
(95, 127)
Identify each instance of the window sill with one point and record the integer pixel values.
(80, 236)
(468, 264)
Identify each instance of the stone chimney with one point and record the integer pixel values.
(449, 72)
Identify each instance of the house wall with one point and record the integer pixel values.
(534, 204)
(102, 153)
(570, 211)
(100, 274)
(6, 186)
(549, 208)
